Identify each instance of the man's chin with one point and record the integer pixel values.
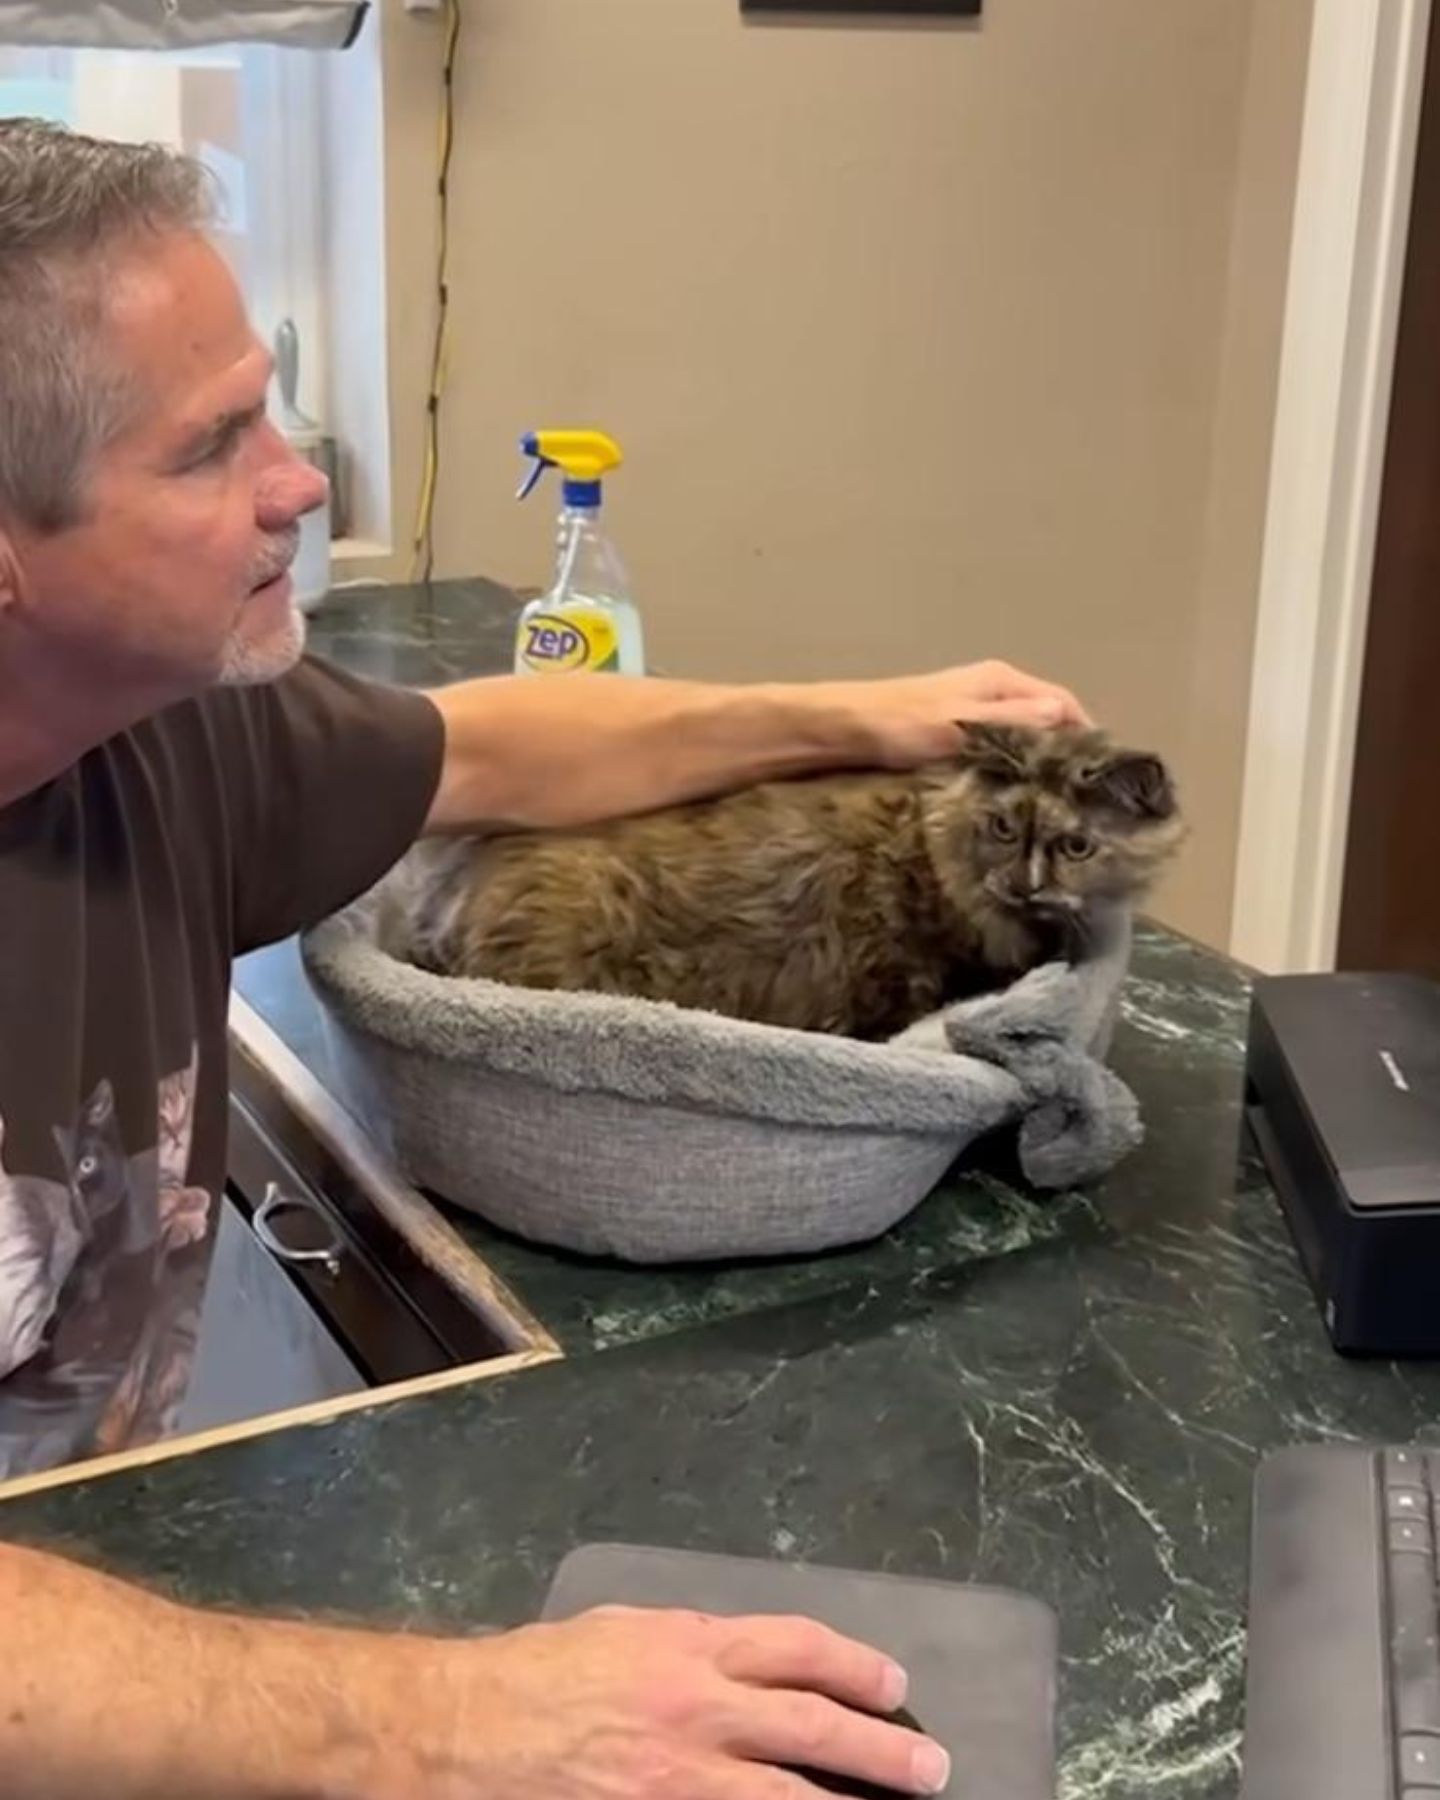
(250, 660)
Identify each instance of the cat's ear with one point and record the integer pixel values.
(1134, 783)
(996, 751)
(101, 1103)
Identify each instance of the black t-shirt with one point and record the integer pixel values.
(127, 884)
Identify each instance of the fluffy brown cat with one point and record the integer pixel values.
(853, 903)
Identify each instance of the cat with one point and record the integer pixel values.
(86, 1276)
(41, 1236)
(849, 903)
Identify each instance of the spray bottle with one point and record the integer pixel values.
(587, 620)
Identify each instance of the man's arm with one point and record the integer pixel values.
(108, 1693)
(537, 751)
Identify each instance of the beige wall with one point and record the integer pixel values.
(924, 343)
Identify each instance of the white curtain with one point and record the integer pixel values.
(176, 24)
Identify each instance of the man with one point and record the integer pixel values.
(177, 785)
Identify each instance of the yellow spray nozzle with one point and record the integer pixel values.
(587, 455)
(583, 455)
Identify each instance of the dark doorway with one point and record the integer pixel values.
(1390, 903)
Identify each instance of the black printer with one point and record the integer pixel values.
(1342, 1095)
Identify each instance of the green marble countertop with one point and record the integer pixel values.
(1068, 1396)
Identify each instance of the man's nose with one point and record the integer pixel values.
(287, 492)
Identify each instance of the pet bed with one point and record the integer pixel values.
(653, 1133)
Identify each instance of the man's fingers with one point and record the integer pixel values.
(673, 1773)
(1069, 711)
(799, 1653)
(758, 1781)
(1001, 684)
(1037, 710)
(807, 1731)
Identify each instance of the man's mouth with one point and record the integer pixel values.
(278, 565)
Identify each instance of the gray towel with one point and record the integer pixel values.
(1078, 1118)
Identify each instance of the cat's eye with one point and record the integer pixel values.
(1077, 846)
(1003, 830)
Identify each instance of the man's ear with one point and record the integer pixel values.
(9, 573)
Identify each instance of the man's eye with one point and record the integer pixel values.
(214, 454)
(227, 440)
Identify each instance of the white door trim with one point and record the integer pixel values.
(1347, 254)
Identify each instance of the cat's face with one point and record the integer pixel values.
(1053, 822)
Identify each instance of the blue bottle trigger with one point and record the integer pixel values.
(533, 474)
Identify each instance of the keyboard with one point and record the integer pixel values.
(1342, 1690)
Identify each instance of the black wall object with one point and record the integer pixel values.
(969, 9)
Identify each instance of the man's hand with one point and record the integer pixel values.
(627, 1705)
(917, 718)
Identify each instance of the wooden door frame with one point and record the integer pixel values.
(1347, 263)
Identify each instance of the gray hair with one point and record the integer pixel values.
(66, 203)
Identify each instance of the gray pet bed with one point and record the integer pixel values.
(656, 1134)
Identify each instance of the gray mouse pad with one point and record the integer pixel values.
(982, 1661)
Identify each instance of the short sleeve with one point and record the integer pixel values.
(328, 781)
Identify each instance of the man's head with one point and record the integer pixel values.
(148, 508)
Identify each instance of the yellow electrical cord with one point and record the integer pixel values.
(422, 565)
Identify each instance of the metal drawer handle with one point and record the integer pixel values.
(275, 1201)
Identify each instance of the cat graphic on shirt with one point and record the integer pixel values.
(123, 1242)
(77, 1315)
(97, 1237)
(148, 1399)
(40, 1238)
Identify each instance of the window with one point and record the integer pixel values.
(245, 113)
(269, 124)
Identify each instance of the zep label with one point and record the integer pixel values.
(557, 643)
